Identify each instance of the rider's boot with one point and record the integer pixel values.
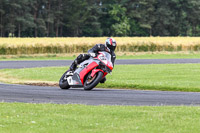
(72, 67)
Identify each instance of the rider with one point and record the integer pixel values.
(109, 47)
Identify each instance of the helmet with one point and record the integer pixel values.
(111, 43)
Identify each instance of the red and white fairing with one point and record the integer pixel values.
(100, 63)
(106, 61)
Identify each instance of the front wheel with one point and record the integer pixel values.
(63, 83)
(91, 82)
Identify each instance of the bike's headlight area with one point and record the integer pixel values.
(106, 69)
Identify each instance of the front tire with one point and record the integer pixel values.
(63, 83)
(89, 85)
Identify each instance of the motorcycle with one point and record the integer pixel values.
(88, 73)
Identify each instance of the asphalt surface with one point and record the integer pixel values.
(29, 64)
(38, 94)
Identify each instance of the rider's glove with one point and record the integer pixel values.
(92, 54)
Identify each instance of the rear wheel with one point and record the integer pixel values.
(63, 83)
(91, 82)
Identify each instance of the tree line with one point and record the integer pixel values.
(77, 18)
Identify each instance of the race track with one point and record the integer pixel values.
(47, 63)
(38, 94)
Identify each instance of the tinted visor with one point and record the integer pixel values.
(111, 47)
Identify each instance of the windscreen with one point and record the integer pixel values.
(107, 55)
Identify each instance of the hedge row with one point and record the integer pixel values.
(83, 48)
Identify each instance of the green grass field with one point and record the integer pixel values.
(167, 77)
(51, 118)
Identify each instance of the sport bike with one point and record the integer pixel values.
(89, 73)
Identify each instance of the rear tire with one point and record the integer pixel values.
(91, 85)
(63, 83)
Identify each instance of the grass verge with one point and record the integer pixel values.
(51, 118)
(166, 77)
(120, 55)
